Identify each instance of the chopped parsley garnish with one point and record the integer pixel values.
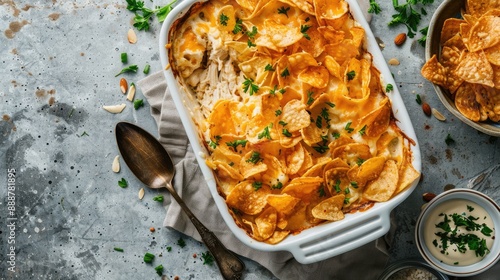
(256, 185)
(234, 144)
(158, 198)
(148, 258)
(347, 191)
(360, 161)
(303, 30)
(362, 130)
(282, 123)
(320, 148)
(251, 35)
(450, 235)
(118, 249)
(253, 32)
(336, 135)
(181, 243)
(346, 200)
(330, 104)
(123, 183)
(319, 122)
(350, 75)
(273, 91)
(470, 208)
(238, 26)
(326, 116)
(138, 103)
(223, 19)
(254, 158)
(214, 144)
(374, 8)
(277, 186)
(146, 69)
(423, 39)
(389, 87)
(144, 14)
(249, 86)
(418, 99)
(278, 112)
(283, 10)
(169, 248)
(265, 134)
(449, 140)
(310, 98)
(131, 68)
(124, 57)
(337, 186)
(285, 73)
(207, 257)
(159, 270)
(286, 132)
(269, 67)
(348, 127)
(321, 191)
(354, 184)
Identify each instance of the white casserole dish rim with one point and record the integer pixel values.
(326, 240)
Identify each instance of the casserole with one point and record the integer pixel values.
(322, 241)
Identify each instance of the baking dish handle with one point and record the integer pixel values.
(326, 244)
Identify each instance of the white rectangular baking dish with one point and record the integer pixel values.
(325, 240)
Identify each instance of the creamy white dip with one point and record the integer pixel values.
(452, 255)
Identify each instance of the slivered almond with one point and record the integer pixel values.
(393, 61)
(115, 109)
(123, 85)
(116, 164)
(141, 193)
(131, 92)
(132, 38)
(438, 115)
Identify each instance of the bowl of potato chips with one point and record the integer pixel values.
(463, 61)
(290, 108)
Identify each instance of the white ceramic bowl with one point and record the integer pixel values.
(323, 241)
(451, 9)
(480, 199)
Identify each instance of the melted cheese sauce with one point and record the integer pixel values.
(452, 256)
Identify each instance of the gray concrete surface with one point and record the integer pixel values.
(57, 67)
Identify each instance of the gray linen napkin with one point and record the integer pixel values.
(190, 184)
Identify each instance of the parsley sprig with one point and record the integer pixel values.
(374, 7)
(409, 15)
(249, 86)
(207, 257)
(144, 14)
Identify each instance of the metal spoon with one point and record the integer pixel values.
(151, 164)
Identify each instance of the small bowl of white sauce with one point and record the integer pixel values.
(456, 232)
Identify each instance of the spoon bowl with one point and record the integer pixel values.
(153, 166)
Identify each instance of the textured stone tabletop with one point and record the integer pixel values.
(57, 67)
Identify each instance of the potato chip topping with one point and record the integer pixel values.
(295, 116)
(468, 67)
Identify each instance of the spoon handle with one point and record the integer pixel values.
(231, 267)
